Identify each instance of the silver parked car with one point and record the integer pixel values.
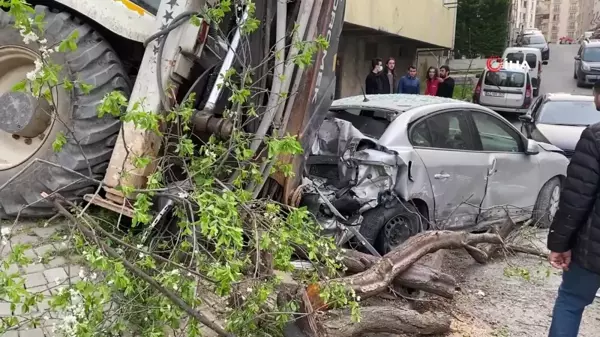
(399, 164)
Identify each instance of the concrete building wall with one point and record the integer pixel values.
(412, 19)
(522, 16)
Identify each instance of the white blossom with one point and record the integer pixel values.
(175, 287)
(33, 75)
(5, 231)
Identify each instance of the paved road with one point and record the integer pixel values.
(557, 76)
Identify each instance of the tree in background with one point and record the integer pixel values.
(481, 27)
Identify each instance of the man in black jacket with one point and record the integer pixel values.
(373, 81)
(574, 238)
(446, 86)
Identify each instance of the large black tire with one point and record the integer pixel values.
(95, 63)
(546, 203)
(382, 223)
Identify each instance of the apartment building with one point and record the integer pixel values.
(384, 28)
(522, 16)
(565, 18)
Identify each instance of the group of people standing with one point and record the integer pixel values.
(382, 80)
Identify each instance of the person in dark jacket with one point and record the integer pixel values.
(409, 83)
(574, 238)
(389, 80)
(446, 86)
(373, 81)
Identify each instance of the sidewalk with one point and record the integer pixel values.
(49, 271)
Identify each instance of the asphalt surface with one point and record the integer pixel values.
(557, 75)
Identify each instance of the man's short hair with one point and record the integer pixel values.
(596, 88)
(412, 67)
(375, 62)
(446, 68)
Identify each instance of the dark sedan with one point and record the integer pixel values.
(559, 119)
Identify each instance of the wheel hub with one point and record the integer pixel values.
(397, 231)
(23, 115)
(25, 121)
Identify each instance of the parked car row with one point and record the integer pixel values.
(395, 165)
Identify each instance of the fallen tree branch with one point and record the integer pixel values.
(377, 278)
(527, 250)
(418, 276)
(386, 319)
(141, 274)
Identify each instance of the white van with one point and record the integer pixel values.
(533, 57)
(506, 90)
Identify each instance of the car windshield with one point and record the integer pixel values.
(591, 54)
(505, 78)
(575, 113)
(533, 39)
(518, 57)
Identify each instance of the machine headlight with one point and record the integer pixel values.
(545, 48)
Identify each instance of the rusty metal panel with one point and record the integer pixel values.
(316, 93)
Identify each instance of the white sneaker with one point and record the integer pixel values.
(598, 293)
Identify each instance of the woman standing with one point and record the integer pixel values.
(432, 82)
(388, 82)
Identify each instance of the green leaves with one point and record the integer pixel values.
(59, 142)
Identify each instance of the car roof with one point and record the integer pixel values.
(395, 102)
(522, 49)
(592, 42)
(563, 96)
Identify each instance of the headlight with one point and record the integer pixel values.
(585, 66)
(545, 48)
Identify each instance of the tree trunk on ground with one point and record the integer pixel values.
(418, 276)
(386, 319)
(377, 278)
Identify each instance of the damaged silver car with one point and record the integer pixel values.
(385, 167)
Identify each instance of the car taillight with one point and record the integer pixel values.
(527, 100)
(477, 92)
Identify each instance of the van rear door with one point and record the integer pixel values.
(504, 88)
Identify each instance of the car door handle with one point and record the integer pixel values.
(441, 176)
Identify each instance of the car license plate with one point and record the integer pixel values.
(494, 94)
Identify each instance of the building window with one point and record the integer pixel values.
(556, 8)
(555, 17)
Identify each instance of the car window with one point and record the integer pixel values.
(572, 113)
(533, 39)
(495, 135)
(591, 54)
(531, 60)
(364, 121)
(447, 130)
(518, 57)
(505, 78)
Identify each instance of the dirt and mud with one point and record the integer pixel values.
(511, 296)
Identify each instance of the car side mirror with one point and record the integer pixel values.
(477, 75)
(545, 63)
(577, 57)
(526, 118)
(532, 147)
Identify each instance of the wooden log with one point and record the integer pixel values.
(419, 276)
(386, 319)
(377, 278)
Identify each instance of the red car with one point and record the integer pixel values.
(566, 40)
